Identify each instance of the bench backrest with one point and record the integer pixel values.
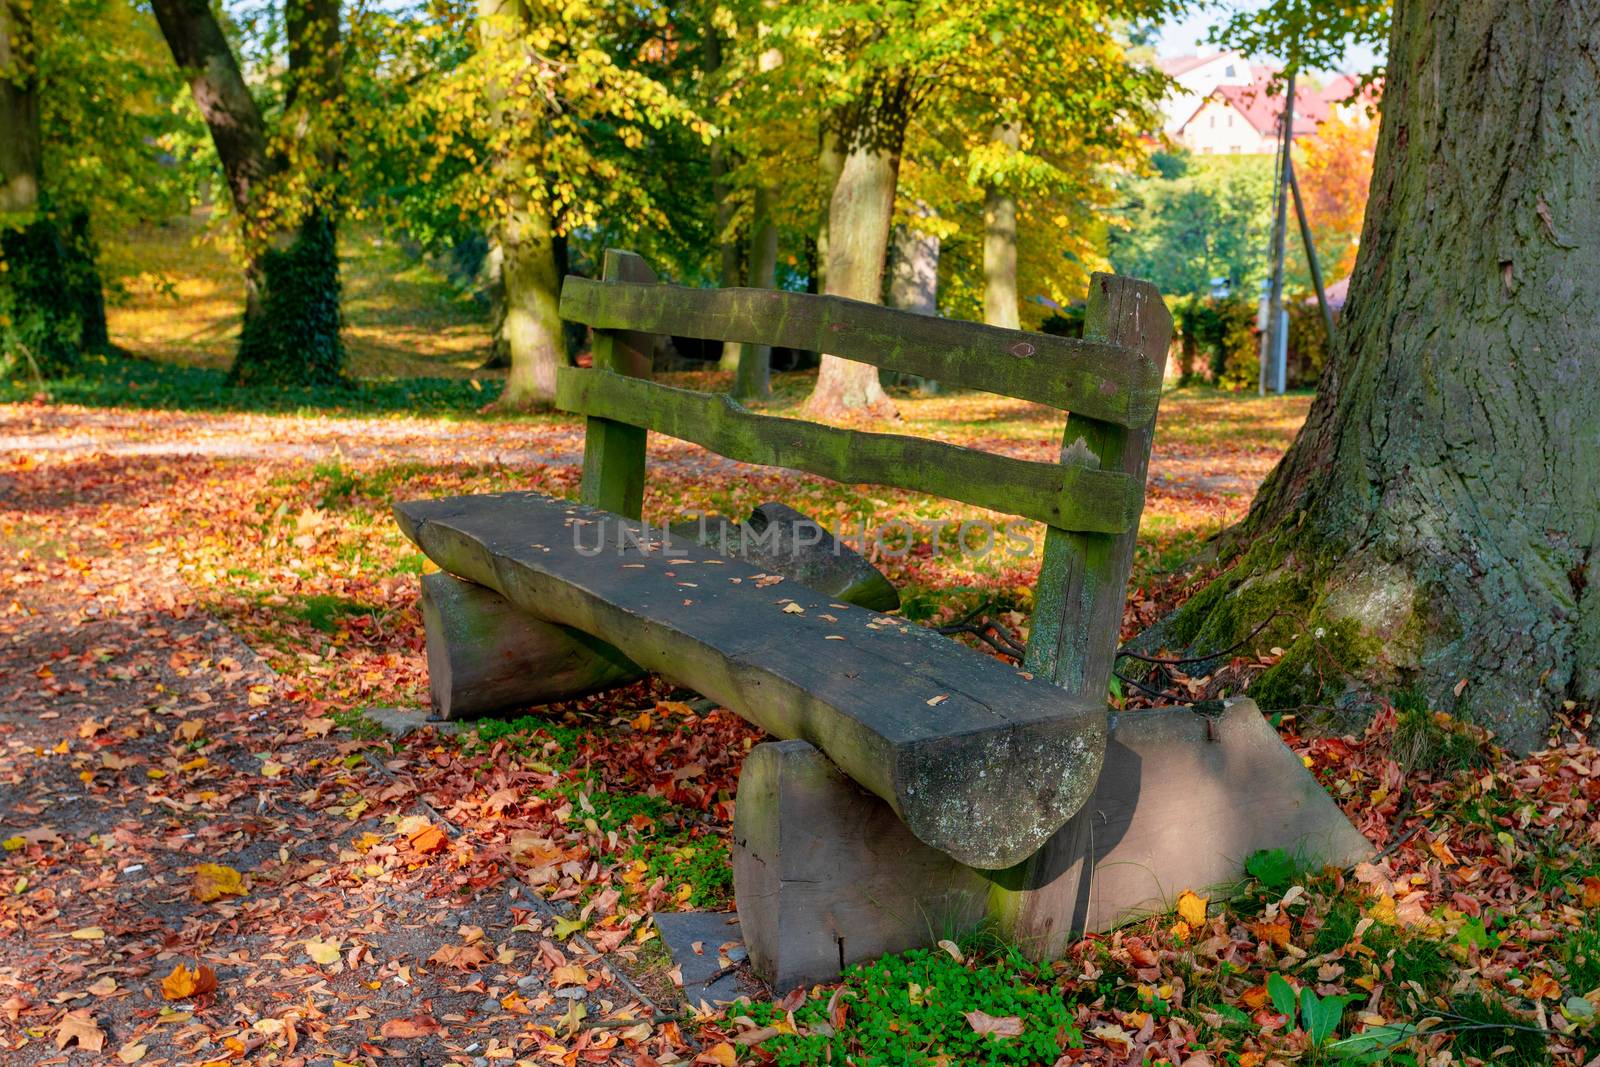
(1090, 502)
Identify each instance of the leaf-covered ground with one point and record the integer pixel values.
(211, 856)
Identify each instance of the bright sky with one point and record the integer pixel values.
(1186, 36)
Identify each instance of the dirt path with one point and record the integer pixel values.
(141, 741)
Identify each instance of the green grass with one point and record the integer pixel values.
(127, 382)
(324, 611)
(1489, 1030)
(1425, 741)
(912, 1009)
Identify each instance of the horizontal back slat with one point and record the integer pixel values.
(1065, 496)
(1111, 382)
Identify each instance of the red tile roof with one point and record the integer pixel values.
(1263, 109)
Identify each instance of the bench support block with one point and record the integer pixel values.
(825, 874)
(487, 657)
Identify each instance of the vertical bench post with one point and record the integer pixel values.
(613, 452)
(1078, 605)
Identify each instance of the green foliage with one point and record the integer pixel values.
(1197, 221)
(324, 611)
(1275, 869)
(1435, 743)
(40, 314)
(912, 1008)
(1221, 331)
(1486, 1028)
(294, 338)
(1579, 952)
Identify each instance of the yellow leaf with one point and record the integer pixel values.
(103, 987)
(14, 843)
(271, 769)
(575, 1015)
(88, 933)
(1192, 908)
(569, 974)
(323, 952)
(721, 1053)
(214, 880)
(132, 1052)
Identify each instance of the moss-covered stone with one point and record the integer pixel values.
(1319, 662)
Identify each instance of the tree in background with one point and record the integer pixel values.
(538, 122)
(280, 184)
(1434, 526)
(870, 70)
(83, 106)
(1335, 171)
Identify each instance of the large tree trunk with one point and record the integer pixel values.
(291, 321)
(526, 234)
(914, 281)
(860, 215)
(1000, 244)
(533, 307)
(727, 241)
(40, 321)
(754, 381)
(1433, 527)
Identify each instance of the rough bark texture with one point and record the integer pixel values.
(19, 110)
(1435, 522)
(914, 282)
(291, 320)
(860, 215)
(531, 330)
(1000, 245)
(728, 274)
(754, 380)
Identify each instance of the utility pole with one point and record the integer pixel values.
(1274, 347)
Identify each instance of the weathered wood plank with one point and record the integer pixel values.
(978, 760)
(826, 875)
(1082, 586)
(1067, 497)
(1108, 381)
(486, 657)
(818, 866)
(613, 450)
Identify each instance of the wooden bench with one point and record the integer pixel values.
(917, 784)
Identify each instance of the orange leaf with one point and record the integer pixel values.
(1273, 933)
(428, 839)
(1591, 891)
(460, 957)
(1254, 997)
(1002, 1026)
(416, 1026)
(183, 983)
(79, 1027)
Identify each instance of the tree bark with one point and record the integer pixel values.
(291, 324)
(914, 281)
(727, 242)
(1433, 527)
(1000, 243)
(19, 110)
(754, 381)
(532, 332)
(860, 215)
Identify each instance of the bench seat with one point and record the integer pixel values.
(981, 761)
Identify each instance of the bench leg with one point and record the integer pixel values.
(1181, 803)
(486, 657)
(826, 874)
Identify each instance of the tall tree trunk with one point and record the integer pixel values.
(914, 280)
(754, 381)
(291, 321)
(526, 235)
(19, 110)
(1433, 528)
(40, 323)
(1000, 243)
(860, 215)
(830, 164)
(727, 242)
